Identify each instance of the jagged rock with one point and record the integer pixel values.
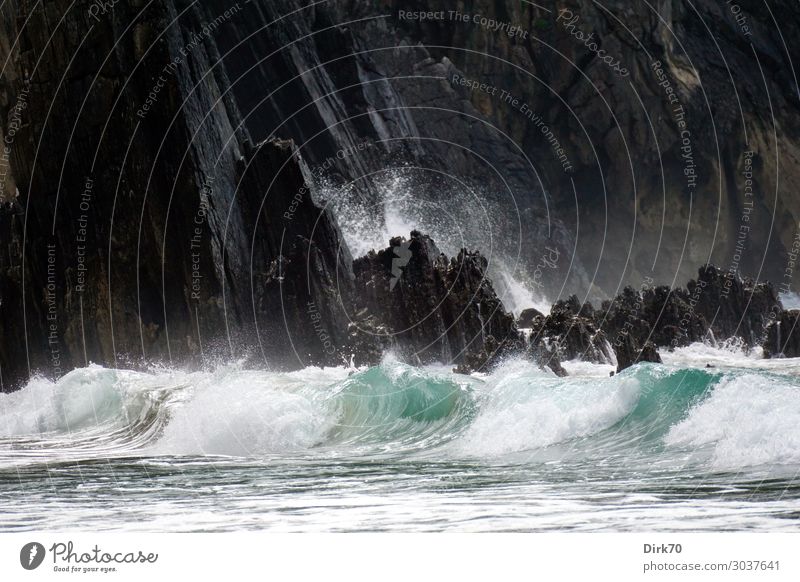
(629, 352)
(546, 357)
(487, 356)
(157, 234)
(265, 277)
(661, 315)
(329, 65)
(734, 307)
(527, 317)
(572, 332)
(715, 306)
(782, 337)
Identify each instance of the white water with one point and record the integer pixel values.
(527, 409)
(467, 223)
(408, 449)
(748, 420)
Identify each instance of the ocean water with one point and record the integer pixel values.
(669, 447)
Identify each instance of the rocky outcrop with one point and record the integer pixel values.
(527, 318)
(732, 306)
(150, 212)
(782, 338)
(427, 308)
(629, 352)
(570, 330)
(716, 306)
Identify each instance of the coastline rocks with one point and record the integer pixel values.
(715, 307)
(571, 331)
(660, 314)
(782, 338)
(546, 356)
(427, 308)
(527, 317)
(734, 307)
(629, 353)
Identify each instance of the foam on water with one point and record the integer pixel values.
(726, 417)
(83, 399)
(245, 413)
(525, 408)
(747, 420)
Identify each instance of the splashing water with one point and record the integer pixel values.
(403, 448)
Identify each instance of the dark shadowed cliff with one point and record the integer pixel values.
(154, 209)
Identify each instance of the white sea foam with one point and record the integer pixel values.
(81, 399)
(246, 414)
(525, 408)
(747, 420)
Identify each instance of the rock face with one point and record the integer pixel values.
(147, 226)
(527, 317)
(571, 331)
(150, 211)
(397, 81)
(629, 351)
(714, 307)
(428, 308)
(783, 336)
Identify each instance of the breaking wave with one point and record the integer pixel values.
(723, 418)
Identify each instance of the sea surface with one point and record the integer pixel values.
(672, 447)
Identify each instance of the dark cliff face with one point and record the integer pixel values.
(151, 212)
(147, 226)
(672, 147)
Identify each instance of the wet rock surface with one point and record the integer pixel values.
(429, 308)
(782, 338)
